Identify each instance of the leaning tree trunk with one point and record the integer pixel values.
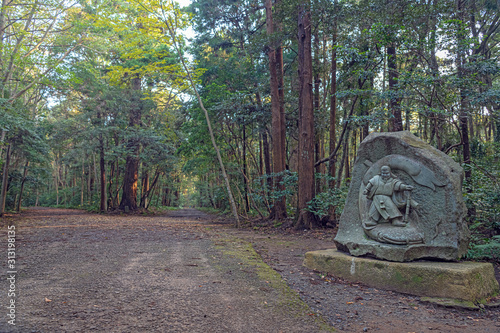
(5, 180)
(209, 124)
(306, 219)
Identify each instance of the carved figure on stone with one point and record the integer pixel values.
(387, 220)
(382, 190)
(404, 202)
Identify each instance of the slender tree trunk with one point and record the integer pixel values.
(209, 124)
(395, 101)
(129, 196)
(333, 110)
(278, 211)
(463, 116)
(319, 135)
(306, 120)
(102, 168)
(496, 120)
(56, 182)
(333, 117)
(267, 156)
(5, 181)
(144, 186)
(245, 172)
(21, 190)
(82, 192)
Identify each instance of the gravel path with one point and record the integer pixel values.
(89, 273)
(188, 272)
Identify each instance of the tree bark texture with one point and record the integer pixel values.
(306, 121)
(395, 100)
(21, 190)
(103, 206)
(464, 114)
(5, 181)
(278, 130)
(129, 196)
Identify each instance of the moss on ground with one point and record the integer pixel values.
(289, 300)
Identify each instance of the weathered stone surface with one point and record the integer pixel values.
(467, 281)
(434, 227)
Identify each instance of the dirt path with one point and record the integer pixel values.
(187, 272)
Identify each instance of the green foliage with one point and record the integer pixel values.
(264, 192)
(485, 249)
(324, 202)
(482, 195)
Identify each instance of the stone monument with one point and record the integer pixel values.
(405, 206)
(404, 202)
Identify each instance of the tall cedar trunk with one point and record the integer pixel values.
(82, 190)
(395, 101)
(333, 118)
(129, 194)
(333, 109)
(496, 116)
(145, 188)
(21, 190)
(463, 116)
(245, 172)
(319, 135)
(266, 152)
(275, 56)
(102, 171)
(437, 118)
(5, 180)
(306, 120)
(110, 185)
(267, 161)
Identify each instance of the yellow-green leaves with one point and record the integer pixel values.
(143, 41)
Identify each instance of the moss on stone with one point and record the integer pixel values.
(469, 281)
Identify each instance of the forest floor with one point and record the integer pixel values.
(187, 271)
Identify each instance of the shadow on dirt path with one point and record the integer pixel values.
(79, 272)
(187, 271)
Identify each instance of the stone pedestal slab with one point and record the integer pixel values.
(468, 281)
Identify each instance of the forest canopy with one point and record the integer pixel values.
(255, 108)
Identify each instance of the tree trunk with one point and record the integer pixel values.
(267, 157)
(333, 118)
(275, 56)
(496, 122)
(463, 116)
(319, 135)
(21, 190)
(209, 124)
(129, 194)
(306, 121)
(82, 192)
(395, 100)
(245, 172)
(102, 170)
(145, 187)
(5, 181)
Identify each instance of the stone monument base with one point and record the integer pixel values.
(469, 281)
